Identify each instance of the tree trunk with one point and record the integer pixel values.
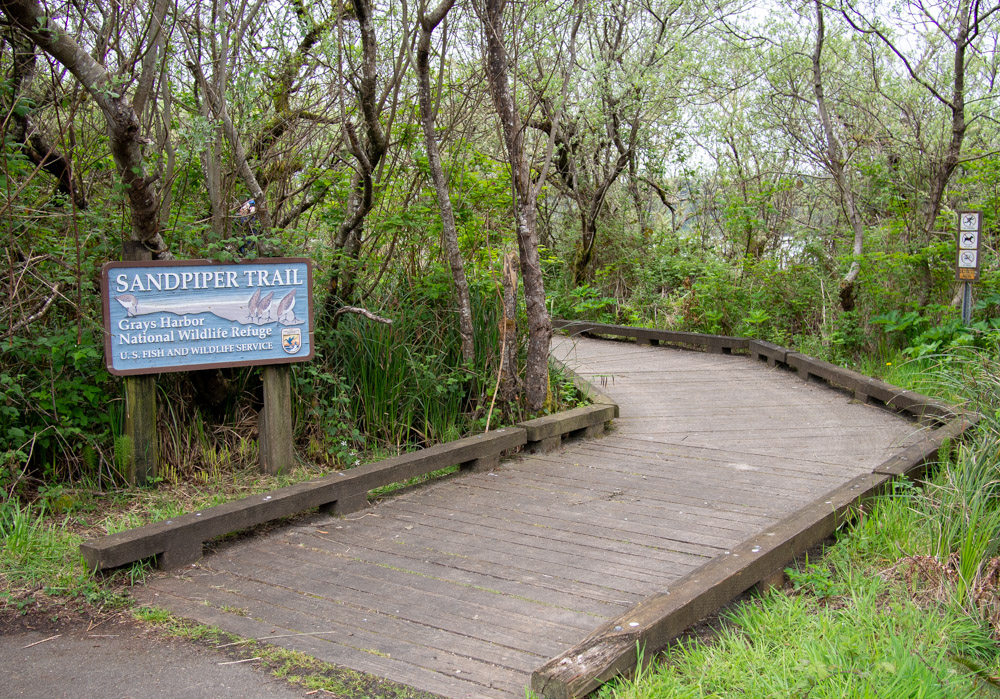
(525, 211)
(217, 104)
(449, 232)
(510, 385)
(970, 17)
(367, 149)
(941, 174)
(837, 167)
(125, 139)
(584, 249)
(35, 144)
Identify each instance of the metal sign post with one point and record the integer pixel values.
(970, 228)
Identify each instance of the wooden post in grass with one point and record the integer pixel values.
(274, 426)
(140, 405)
(140, 428)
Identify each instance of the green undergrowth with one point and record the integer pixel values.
(39, 555)
(867, 640)
(906, 603)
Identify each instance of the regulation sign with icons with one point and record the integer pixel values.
(969, 220)
(970, 226)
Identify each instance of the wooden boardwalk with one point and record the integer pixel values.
(464, 586)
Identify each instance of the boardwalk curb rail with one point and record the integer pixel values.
(613, 649)
(718, 344)
(178, 541)
(596, 395)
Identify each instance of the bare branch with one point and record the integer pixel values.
(361, 312)
(36, 315)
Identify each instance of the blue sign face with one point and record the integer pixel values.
(178, 316)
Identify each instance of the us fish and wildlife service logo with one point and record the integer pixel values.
(291, 340)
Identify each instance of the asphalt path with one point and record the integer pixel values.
(119, 658)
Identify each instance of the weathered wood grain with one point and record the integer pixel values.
(275, 420)
(612, 649)
(140, 429)
(179, 538)
(436, 559)
(711, 456)
(316, 644)
(547, 591)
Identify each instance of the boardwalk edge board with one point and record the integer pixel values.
(718, 344)
(615, 648)
(178, 541)
(596, 395)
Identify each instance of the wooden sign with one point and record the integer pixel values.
(196, 314)
(970, 228)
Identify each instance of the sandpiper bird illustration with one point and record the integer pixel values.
(252, 304)
(287, 305)
(265, 305)
(130, 302)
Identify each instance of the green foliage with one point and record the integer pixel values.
(53, 405)
(815, 579)
(586, 303)
(963, 515)
(36, 551)
(763, 300)
(935, 329)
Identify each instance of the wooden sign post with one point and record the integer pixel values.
(274, 426)
(195, 314)
(140, 407)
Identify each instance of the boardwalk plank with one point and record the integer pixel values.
(492, 573)
(429, 551)
(529, 497)
(563, 519)
(504, 618)
(316, 644)
(559, 593)
(519, 551)
(384, 632)
(624, 557)
(615, 460)
(600, 485)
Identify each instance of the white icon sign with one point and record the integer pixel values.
(969, 221)
(967, 258)
(968, 240)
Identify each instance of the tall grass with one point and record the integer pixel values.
(963, 515)
(406, 384)
(33, 551)
(867, 644)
